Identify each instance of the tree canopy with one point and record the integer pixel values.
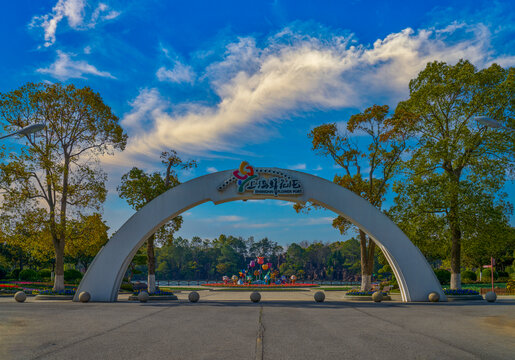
(454, 160)
(57, 169)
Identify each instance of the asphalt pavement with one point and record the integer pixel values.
(226, 325)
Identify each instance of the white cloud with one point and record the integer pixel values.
(297, 167)
(255, 225)
(294, 72)
(102, 12)
(229, 218)
(317, 221)
(318, 168)
(75, 12)
(180, 73)
(65, 68)
(211, 169)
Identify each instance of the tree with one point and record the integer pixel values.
(57, 169)
(86, 237)
(454, 159)
(381, 159)
(139, 188)
(28, 237)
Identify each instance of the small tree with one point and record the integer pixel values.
(365, 172)
(57, 169)
(139, 188)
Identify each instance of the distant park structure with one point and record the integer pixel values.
(415, 276)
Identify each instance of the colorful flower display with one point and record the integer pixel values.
(261, 275)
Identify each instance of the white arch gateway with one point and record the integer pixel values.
(415, 277)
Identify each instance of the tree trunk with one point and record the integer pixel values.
(455, 255)
(60, 240)
(151, 261)
(59, 265)
(367, 261)
(454, 226)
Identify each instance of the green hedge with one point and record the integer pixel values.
(28, 275)
(72, 275)
(15, 274)
(45, 274)
(444, 276)
(468, 276)
(3, 272)
(127, 286)
(486, 274)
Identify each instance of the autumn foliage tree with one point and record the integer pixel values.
(366, 169)
(86, 236)
(56, 170)
(139, 188)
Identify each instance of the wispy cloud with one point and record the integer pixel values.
(317, 221)
(229, 218)
(294, 72)
(65, 68)
(211, 169)
(75, 11)
(255, 225)
(297, 167)
(179, 73)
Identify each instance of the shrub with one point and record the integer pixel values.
(468, 276)
(510, 285)
(486, 273)
(45, 274)
(28, 275)
(3, 272)
(14, 274)
(72, 275)
(127, 286)
(444, 276)
(503, 274)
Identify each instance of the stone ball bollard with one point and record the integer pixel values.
(84, 297)
(319, 296)
(20, 296)
(433, 297)
(143, 296)
(255, 297)
(491, 296)
(193, 297)
(377, 296)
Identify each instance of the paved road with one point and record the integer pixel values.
(283, 326)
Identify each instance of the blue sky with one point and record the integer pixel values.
(227, 81)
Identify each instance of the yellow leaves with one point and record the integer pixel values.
(322, 136)
(86, 236)
(363, 121)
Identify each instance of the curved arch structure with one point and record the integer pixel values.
(415, 277)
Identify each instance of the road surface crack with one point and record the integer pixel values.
(260, 333)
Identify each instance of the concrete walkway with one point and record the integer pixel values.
(226, 325)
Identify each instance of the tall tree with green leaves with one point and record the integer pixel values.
(139, 188)
(86, 237)
(57, 169)
(367, 168)
(454, 159)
